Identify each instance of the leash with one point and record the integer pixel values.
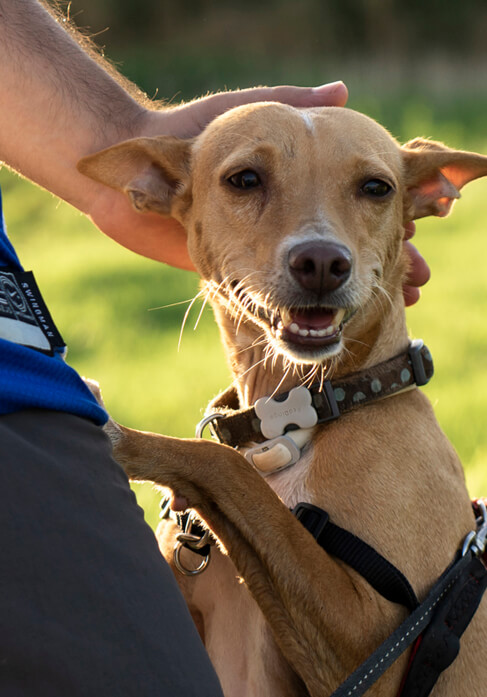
(436, 624)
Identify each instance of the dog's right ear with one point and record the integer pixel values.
(150, 171)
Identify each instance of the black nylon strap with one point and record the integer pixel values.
(383, 576)
(440, 643)
(389, 651)
(441, 618)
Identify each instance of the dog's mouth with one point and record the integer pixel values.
(312, 327)
(306, 333)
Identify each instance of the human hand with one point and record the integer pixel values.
(419, 271)
(164, 239)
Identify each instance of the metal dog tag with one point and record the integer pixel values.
(296, 410)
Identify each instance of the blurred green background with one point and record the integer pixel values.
(417, 67)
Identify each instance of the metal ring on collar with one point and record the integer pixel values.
(200, 427)
(184, 569)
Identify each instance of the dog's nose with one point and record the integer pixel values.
(320, 266)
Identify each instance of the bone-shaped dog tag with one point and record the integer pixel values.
(296, 409)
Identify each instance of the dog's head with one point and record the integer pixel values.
(295, 217)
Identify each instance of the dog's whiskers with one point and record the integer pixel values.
(285, 374)
(246, 372)
(203, 305)
(261, 340)
(179, 302)
(186, 315)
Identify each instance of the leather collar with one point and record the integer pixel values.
(272, 418)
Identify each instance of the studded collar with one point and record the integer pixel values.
(274, 423)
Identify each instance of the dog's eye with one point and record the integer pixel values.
(376, 188)
(247, 179)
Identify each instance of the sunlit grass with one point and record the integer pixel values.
(451, 318)
(103, 296)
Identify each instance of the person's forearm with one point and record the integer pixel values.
(57, 102)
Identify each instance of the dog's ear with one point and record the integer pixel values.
(434, 175)
(150, 171)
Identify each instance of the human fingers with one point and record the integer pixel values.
(193, 117)
(148, 234)
(418, 274)
(409, 230)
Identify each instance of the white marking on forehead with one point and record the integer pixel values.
(308, 120)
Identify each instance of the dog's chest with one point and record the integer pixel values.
(290, 483)
(237, 637)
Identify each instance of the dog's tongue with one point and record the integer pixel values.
(313, 319)
(313, 324)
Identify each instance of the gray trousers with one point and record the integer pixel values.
(88, 607)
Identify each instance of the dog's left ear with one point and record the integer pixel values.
(150, 171)
(434, 175)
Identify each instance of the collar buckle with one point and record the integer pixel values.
(416, 356)
(326, 396)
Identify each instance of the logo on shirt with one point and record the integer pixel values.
(24, 317)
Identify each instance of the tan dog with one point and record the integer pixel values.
(295, 221)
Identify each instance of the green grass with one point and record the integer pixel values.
(103, 296)
(451, 318)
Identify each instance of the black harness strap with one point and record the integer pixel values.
(440, 642)
(377, 663)
(342, 544)
(436, 624)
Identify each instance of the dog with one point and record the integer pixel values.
(295, 222)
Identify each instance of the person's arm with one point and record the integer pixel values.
(60, 101)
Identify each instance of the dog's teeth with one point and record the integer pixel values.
(339, 317)
(286, 317)
(294, 328)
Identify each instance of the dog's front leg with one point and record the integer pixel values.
(305, 596)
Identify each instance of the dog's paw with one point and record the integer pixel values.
(111, 428)
(95, 389)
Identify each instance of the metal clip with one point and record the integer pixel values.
(477, 540)
(184, 569)
(200, 427)
(193, 543)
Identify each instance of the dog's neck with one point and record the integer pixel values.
(257, 375)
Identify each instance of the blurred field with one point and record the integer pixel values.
(108, 302)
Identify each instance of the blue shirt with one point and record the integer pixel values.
(30, 378)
